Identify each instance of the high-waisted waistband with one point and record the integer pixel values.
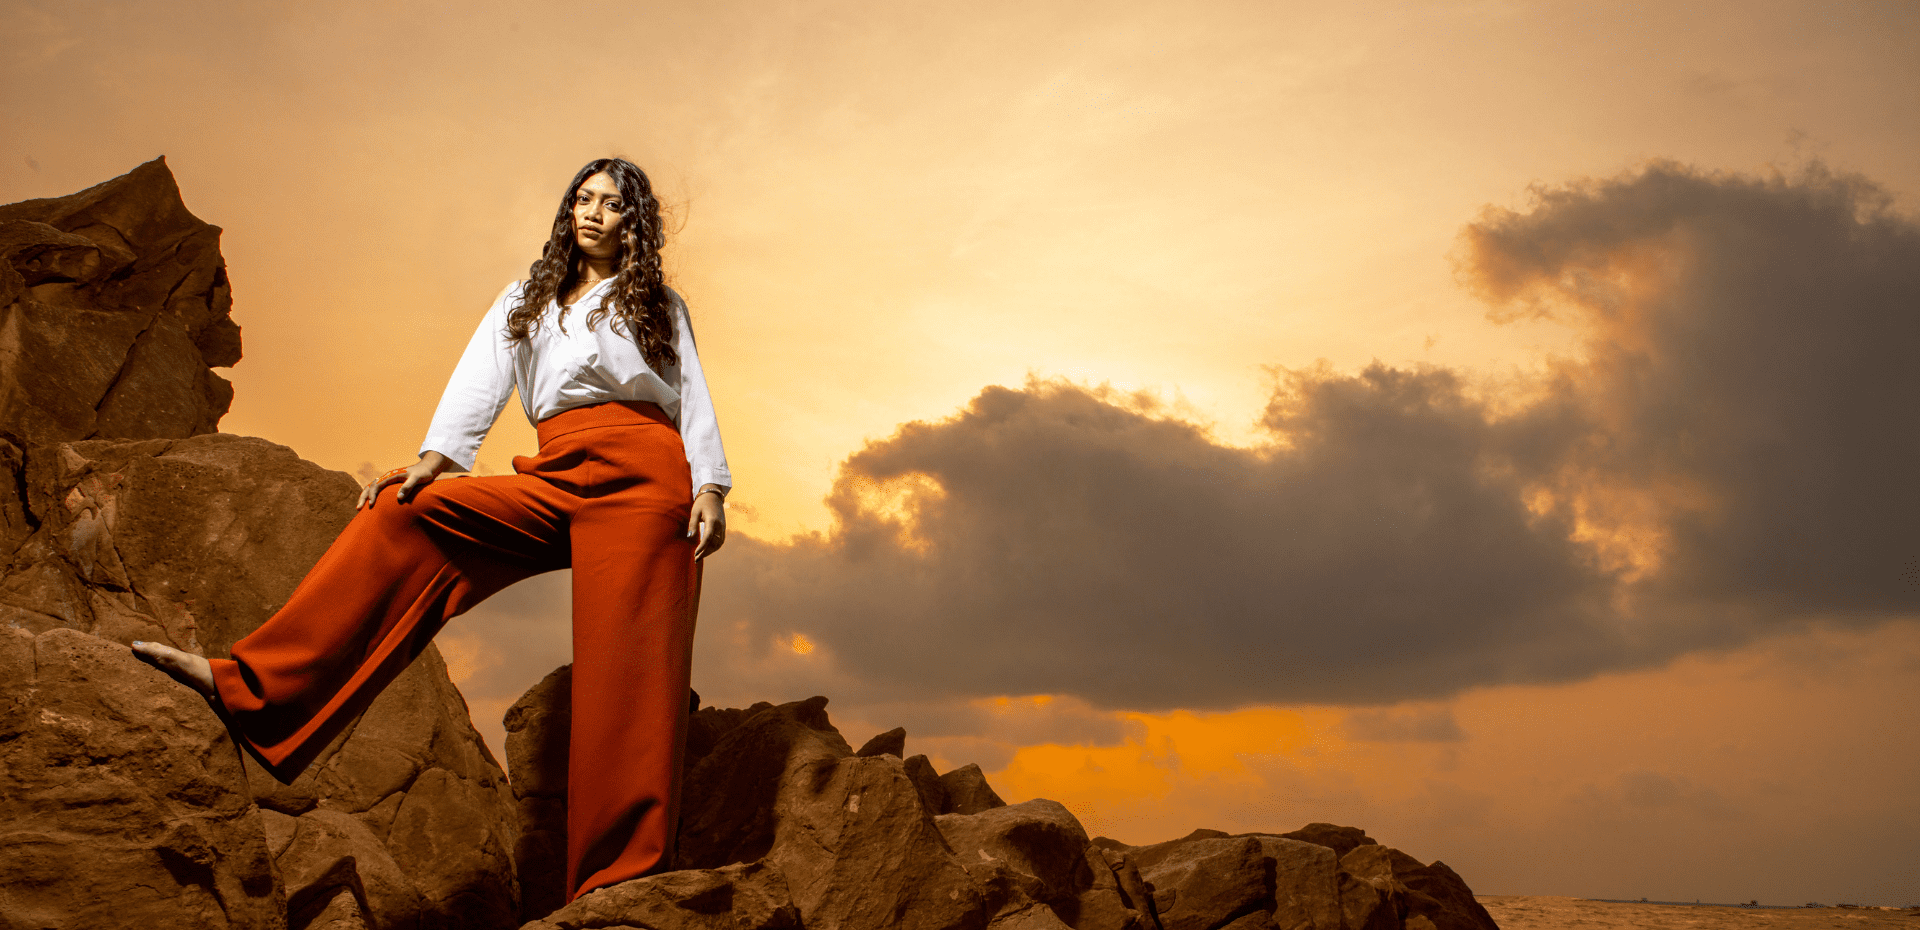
(611, 413)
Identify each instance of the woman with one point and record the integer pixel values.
(603, 357)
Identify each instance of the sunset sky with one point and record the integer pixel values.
(1488, 424)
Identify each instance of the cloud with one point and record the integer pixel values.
(1643, 790)
(1748, 380)
(1731, 451)
(1060, 540)
(1422, 725)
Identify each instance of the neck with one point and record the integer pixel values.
(594, 270)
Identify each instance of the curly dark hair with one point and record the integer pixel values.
(639, 297)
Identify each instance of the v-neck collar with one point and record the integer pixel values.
(596, 288)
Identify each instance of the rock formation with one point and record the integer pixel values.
(783, 821)
(116, 303)
(123, 517)
(126, 803)
(123, 802)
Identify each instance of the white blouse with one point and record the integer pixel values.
(557, 370)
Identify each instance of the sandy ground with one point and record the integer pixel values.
(1517, 912)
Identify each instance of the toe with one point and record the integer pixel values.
(178, 665)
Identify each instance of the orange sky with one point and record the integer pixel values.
(888, 208)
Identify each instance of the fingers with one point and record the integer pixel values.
(701, 549)
(371, 493)
(713, 532)
(707, 521)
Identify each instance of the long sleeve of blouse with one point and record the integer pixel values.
(566, 364)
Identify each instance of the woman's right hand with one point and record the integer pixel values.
(411, 479)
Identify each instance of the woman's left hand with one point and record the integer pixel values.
(708, 525)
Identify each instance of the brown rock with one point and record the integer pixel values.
(1366, 907)
(122, 802)
(195, 542)
(191, 542)
(706, 726)
(1211, 875)
(933, 795)
(737, 897)
(1446, 886)
(967, 791)
(33, 253)
(114, 302)
(340, 912)
(537, 726)
(540, 856)
(537, 737)
(1149, 856)
(14, 525)
(1039, 841)
(777, 787)
(1133, 889)
(1258, 920)
(859, 851)
(1433, 893)
(417, 777)
(1105, 904)
(1032, 916)
(849, 834)
(891, 743)
(1201, 884)
(1341, 840)
(727, 811)
(329, 852)
(1002, 891)
(1306, 884)
(449, 832)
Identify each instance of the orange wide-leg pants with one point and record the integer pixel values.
(609, 494)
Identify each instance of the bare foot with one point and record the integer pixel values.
(185, 667)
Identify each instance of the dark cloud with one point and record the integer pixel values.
(1066, 541)
(1750, 375)
(1733, 449)
(1424, 725)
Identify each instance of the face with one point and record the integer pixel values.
(597, 210)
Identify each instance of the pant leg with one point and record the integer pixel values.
(633, 607)
(374, 600)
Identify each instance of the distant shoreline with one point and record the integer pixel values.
(1552, 912)
(1751, 907)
